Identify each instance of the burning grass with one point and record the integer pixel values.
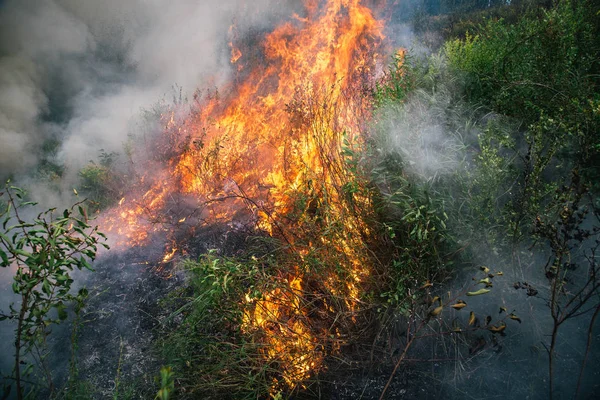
(303, 303)
(282, 152)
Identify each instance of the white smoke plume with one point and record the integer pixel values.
(78, 72)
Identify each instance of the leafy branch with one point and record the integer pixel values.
(43, 252)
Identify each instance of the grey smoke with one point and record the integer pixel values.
(430, 131)
(80, 72)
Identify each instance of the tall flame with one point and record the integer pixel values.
(287, 127)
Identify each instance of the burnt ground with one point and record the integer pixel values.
(116, 340)
(115, 343)
(117, 354)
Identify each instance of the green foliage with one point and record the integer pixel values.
(411, 218)
(167, 384)
(454, 19)
(533, 65)
(48, 169)
(538, 65)
(485, 191)
(43, 253)
(396, 83)
(542, 72)
(415, 226)
(100, 182)
(202, 339)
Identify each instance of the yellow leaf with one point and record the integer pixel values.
(459, 305)
(426, 285)
(478, 292)
(487, 281)
(514, 317)
(497, 329)
(436, 311)
(429, 301)
(456, 327)
(471, 318)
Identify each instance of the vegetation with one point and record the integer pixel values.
(210, 354)
(101, 182)
(518, 168)
(490, 146)
(43, 253)
(535, 181)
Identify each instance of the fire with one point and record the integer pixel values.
(286, 130)
(326, 51)
(169, 255)
(236, 53)
(279, 314)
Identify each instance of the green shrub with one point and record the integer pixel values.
(541, 72)
(44, 252)
(101, 183)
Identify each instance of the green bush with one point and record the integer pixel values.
(44, 252)
(543, 73)
(101, 183)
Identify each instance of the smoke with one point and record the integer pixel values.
(438, 138)
(431, 131)
(78, 73)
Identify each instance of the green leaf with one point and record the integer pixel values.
(4, 257)
(62, 312)
(28, 370)
(83, 263)
(5, 222)
(46, 288)
(23, 253)
(5, 238)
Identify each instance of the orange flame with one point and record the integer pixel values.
(287, 128)
(236, 53)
